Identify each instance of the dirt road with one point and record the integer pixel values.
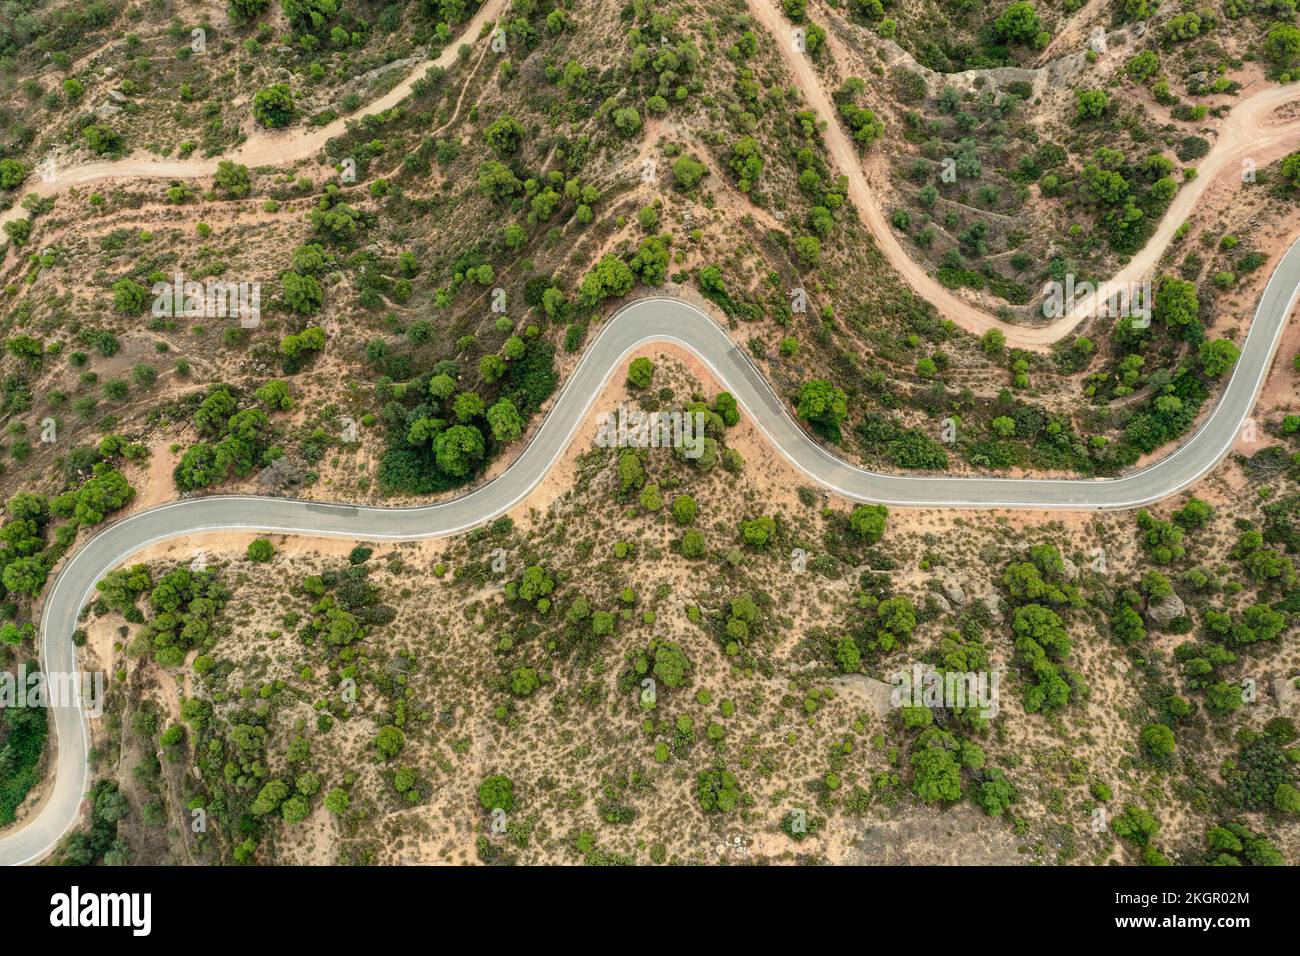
(1250, 130)
(262, 148)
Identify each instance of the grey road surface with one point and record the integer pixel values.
(643, 321)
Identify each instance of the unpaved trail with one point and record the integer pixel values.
(1250, 130)
(263, 147)
(1072, 32)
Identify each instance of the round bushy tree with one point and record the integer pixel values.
(273, 106)
(640, 372)
(497, 792)
(261, 550)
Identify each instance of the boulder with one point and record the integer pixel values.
(952, 590)
(877, 695)
(1287, 695)
(1166, 609)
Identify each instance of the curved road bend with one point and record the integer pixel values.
(637, 324)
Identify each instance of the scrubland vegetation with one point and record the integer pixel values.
(661, 655)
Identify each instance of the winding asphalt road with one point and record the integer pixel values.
(636, 325)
